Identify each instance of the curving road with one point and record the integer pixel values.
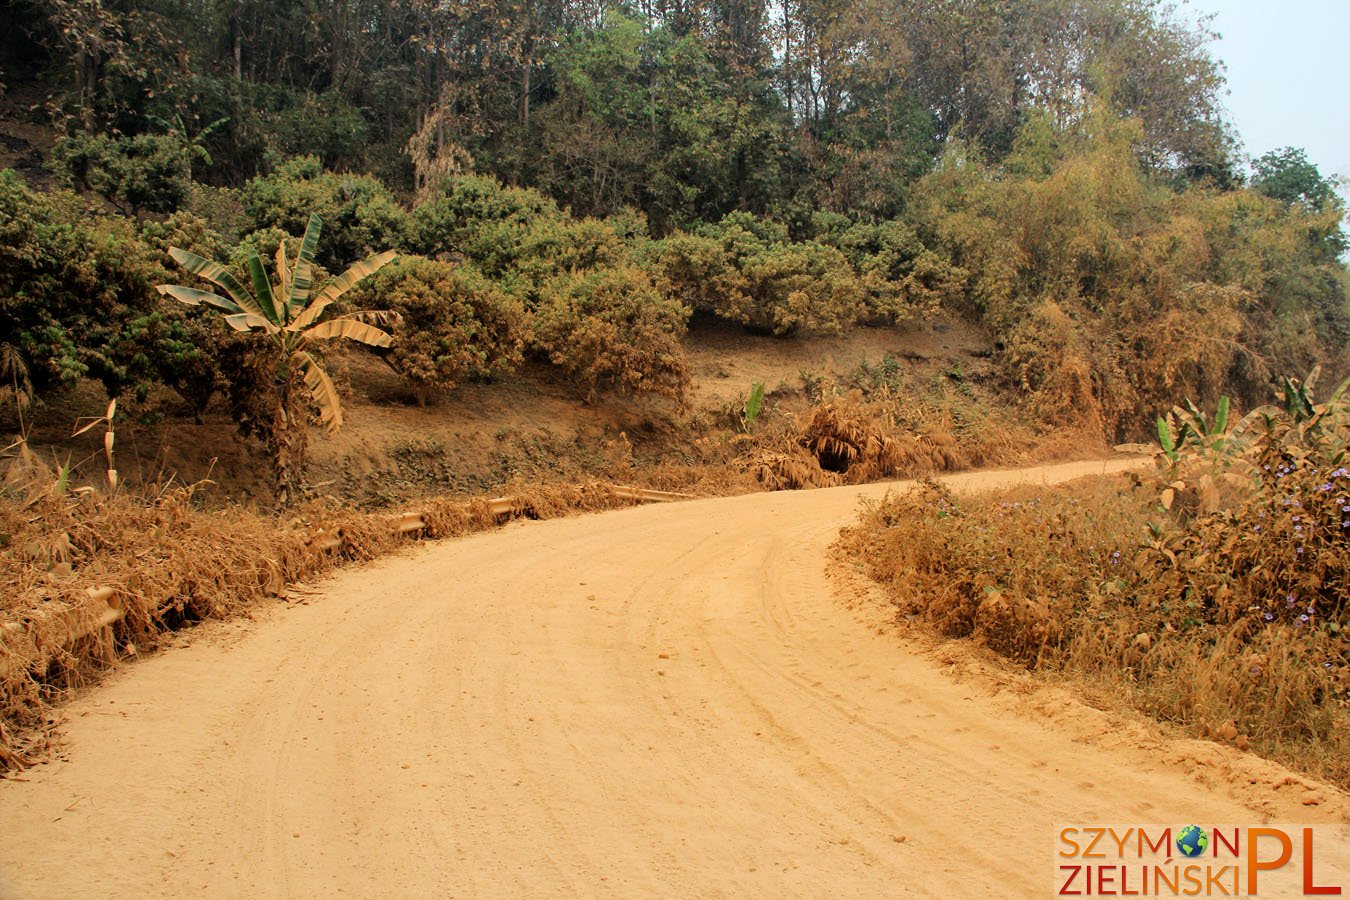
(659, 701)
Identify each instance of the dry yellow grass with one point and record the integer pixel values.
(1184, 623)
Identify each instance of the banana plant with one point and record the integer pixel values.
(754, 404)
(287, 313)
(1210, 440)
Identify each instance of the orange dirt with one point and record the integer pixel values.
(666, 701)
(530, 425)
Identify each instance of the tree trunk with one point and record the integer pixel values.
(237, 44)
(287, 441)
(787, 61)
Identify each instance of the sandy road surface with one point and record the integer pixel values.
(660, 701)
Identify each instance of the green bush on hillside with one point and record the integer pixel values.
(183, 346)
(359, 213)
(454, 325)
(613, 326)
(745, 269)
(145, 173)
(477, 219)
(1112, 292)
(70, 283)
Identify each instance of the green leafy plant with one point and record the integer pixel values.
(195, 144)
(613, 326)
(145, 173)
(359, 212)
(754, 405)
(286, 315)
(453, 324)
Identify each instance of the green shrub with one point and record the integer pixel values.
(70, 283)
(1151, 290)
(478, 219)
(801, 288)
(902, 278)
(319, 124)
(614, 326)
(702, 273)
(145, 173)
(746, 270)
(517, 237)
(360, 215)
(551, 246)
(182, 346)
(454, 324)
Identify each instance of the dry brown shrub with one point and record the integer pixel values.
(1238, 614)
(790, 471)
(862, 442)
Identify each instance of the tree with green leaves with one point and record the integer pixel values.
(286, 317)
(1286, 174)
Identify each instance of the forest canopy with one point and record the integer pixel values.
(685, 109)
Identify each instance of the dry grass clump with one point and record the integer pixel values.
(863, 443)
(168, 563)
(849, 440)
(1201, 605)
(792, 471)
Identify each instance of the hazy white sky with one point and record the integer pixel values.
(1286, 74)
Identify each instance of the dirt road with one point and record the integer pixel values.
(660, 701)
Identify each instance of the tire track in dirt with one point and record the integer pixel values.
(659, 701)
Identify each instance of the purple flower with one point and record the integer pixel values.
(1303, 618)
(1270, 617)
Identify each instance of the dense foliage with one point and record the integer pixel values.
(687, 110)
(453, 324)
(76, 295)
(570, 175)
(1113, 291)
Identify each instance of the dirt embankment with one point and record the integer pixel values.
(664, 700)
(532, 426)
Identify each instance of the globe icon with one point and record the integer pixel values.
(1192, 841)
